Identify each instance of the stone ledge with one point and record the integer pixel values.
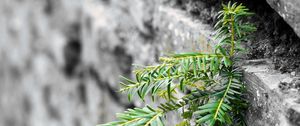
(271, 105)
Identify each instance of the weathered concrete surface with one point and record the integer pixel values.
(271, 104)
(289, 10)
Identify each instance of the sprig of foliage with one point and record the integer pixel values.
(231, 28)
(220, 109)
(146, 116)
(213, 80)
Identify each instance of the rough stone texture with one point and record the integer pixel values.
(182, 33)
(289, 10)
(272, 104)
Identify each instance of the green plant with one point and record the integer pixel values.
(213, 81)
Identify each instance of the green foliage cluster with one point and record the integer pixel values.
(212, 82)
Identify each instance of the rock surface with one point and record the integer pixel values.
(273, 101)
(289, 10)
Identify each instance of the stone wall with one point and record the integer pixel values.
(61, 59)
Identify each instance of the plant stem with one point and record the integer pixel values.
(232, 36)
(224, 96)
(153, 118)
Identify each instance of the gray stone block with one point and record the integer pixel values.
(289, 10)
(270, 105)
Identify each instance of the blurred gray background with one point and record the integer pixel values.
(60, 60)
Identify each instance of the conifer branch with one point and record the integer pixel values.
(216, 86)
